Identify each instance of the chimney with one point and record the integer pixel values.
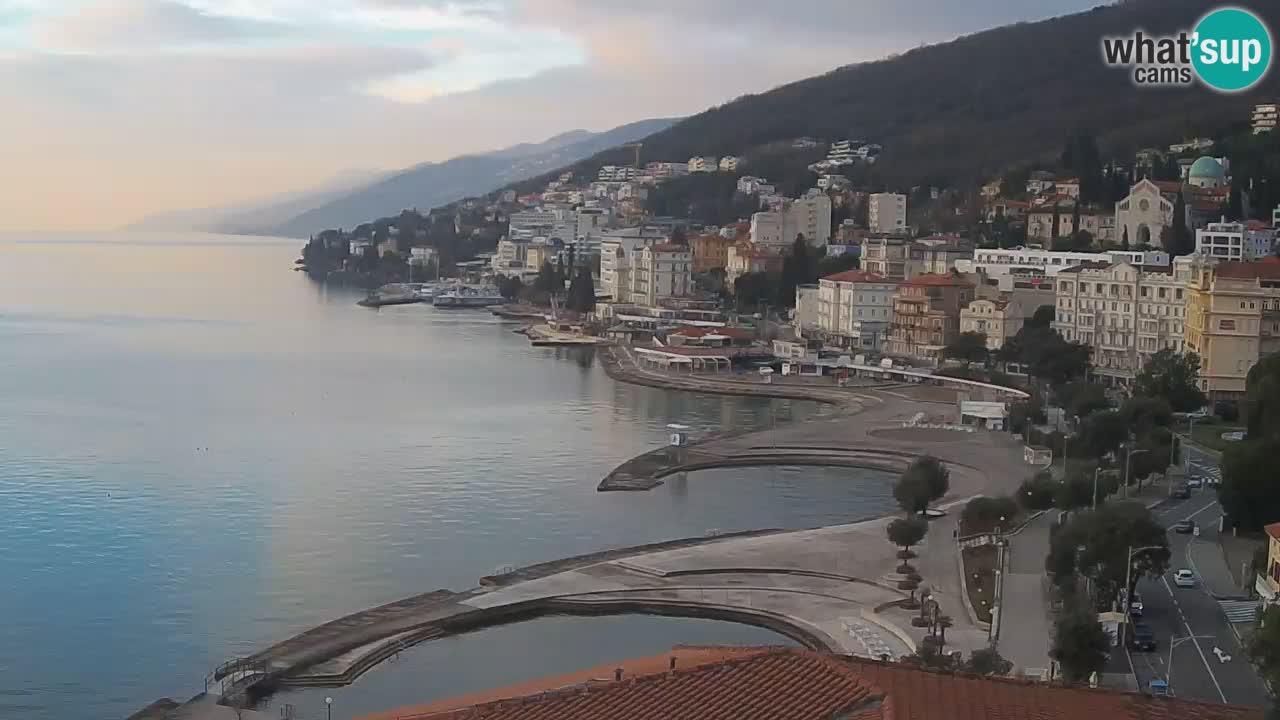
(617, 674)
(672, 666)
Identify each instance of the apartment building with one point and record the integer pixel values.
(1125, 313)
(1035, 264)
(1264, 117)
(887, 213)
(729, 163)
(616, 247)
(710, 252)
(936, 254)
(809, 216)
(750, 257)
(1233, 319)
(855, 308)
(1238, 242)
(885, 255)
(708, 164)
(926, 315)
(999, 319)
(658, 271)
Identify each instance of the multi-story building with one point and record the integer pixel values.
(710, 252)
(885, 255)
(842, 153)
(616, 247)
(509, 257)
(1040, 182)
(1035, 264)
(749, 184)
(999, 319)
(729, 163)
(1264, 117)
(768, 228)
(926, 315)
(1235, 241)
(1123, 312)
(662, 171)
(531, 223)
(809, 216)
(1275, 218)
(750, 257)
(855, 308)
(1233, 319)
(887, 213)
(618, 173)
(660, 271)
(936, 254)
(707, 164)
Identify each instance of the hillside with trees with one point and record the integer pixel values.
(956, 112)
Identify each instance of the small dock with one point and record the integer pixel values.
(546, 336)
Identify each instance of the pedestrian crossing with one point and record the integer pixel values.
(1239, 611)
(1211, 473)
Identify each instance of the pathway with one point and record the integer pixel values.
(1026, 631)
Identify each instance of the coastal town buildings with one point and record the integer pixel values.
(1264, 117)
(1035, 264)
(708, 164)
(1125, 313)
(751, 257)
(729, 163)
(664, 270)
(710, 251)
(1235, 241)
(926, 315)
(1207, 173)
(999, 319)
(887, 213)
(855, 308)
(809, 216)
(805, 317)
(936, 254)
(616, 248)
(1146, 214)
(885, 255)
(1232, 320)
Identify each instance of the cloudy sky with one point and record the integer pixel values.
(112, 109)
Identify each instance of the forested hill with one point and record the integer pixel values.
(966, 109)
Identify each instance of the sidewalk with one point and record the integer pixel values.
(1026, 630)
(1208, 561)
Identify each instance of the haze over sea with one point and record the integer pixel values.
(202, 452)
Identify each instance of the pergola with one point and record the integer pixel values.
(694, 363)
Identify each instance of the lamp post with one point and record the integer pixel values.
(1128, 460)
(1173, 643)
(1128, 577)
(328, 707)
(1096, 471)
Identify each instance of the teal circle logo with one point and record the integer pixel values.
(1231, 49)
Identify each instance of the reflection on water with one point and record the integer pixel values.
(204, 453)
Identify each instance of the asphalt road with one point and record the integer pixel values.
(1173, 612)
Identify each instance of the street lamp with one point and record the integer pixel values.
(1096, 471)
(1173, 643)
(328, 706)
(1128, 460)
(1128, 576)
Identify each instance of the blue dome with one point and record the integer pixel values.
(1207, 167)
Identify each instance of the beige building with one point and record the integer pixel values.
(900, 258)
(885, 255)
(887, 213)
(855, 308)
(660, 271)
(998, 319)
(748, 257)
(1124, 313)
(926, 315)
(1233, 319)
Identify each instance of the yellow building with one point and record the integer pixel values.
(1233, 318)
(999, 319)
(1268, 582)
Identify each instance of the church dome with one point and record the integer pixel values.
(1207, 167)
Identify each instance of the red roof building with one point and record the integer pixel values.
(793, 684)
(858, 276)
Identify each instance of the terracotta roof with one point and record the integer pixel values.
(935, 280)
(794, 684)
(1265, 269)
(1258, 225)
(859, 276)
(670, 248)
(1273, 530)
(1085, 266)
(1168, 186)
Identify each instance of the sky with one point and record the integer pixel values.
(114, 109)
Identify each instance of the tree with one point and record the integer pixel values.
(1174, 377)
(1106, 535)
(969, 347)
(1043, 317)
(1264, 645)
(753, 290)
(1037, 493)
(679, 236)
(912, 492)
(1262, 395)
(548, 280)
(1144, 414)
(1099, 434)
(798, 268)
(1074, 493)
(1080, 645)
(582, 292)
(510, 287)
(1124, 239)
(988, 662)
(833, 264)
(1080, 398)
(1180, 241)
(984, 514)
(937, 478)
(1249, 493)
(907, 532)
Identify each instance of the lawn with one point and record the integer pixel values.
(1210, 436)
(980, 578)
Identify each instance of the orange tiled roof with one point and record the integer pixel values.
(793, 684)
(1273, 530)
(670, 248)
(1265, 269)
(1168, 186)
(859, 276)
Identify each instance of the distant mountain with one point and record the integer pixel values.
(246, 217)
(950, 113)
(433, 184)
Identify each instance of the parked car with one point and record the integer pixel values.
(1135, 606)
(1182, 492)
(1185, 527)
(1142, 638)
(1184, 578)
(1195, 482)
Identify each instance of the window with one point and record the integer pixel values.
(1160, 293)
(1226, 324)
(1177, 294)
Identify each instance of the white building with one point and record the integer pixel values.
(509, 257)
(729, 163)
(805, 318)
(531, 223)
(1235, 241)
(1023, 263)
(1264, 117)
(706, 164)
(842, 153)
(1125, 314)
(658, 271)
(855, 308)
(662, 171)
(1145, 215)
(1192, 145)
(809, 216)
(618, 173)
(616, 248)
(422, 256)
(887, 213)
(767, 228)
(1275, 218)
(836, 182)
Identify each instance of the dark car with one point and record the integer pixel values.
(1185, 527)
(1141, 638)
(1182, 492)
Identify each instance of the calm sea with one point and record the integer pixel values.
(203, 452)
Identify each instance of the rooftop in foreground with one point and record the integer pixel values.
(772, 683)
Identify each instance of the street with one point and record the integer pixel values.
(1198, 672)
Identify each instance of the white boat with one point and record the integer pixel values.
(465, 296)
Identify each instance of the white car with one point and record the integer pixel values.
(1184, 578)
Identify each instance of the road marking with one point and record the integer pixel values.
(1195, 641)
